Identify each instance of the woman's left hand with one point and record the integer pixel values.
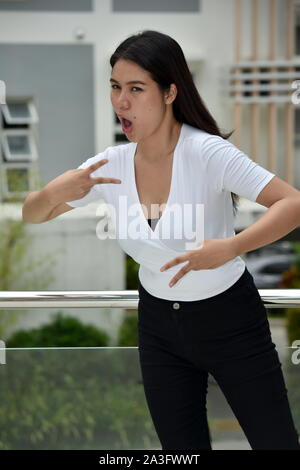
(212, 253)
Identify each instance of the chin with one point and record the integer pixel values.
(131, 139)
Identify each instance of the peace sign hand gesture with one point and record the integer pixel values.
(75, 184)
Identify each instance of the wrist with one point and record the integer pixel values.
(234, 246)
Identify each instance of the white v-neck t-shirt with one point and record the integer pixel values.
(206, 169)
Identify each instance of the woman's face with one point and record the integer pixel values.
(141, 103)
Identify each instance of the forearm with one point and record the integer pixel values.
(279, 220)
(37, 207)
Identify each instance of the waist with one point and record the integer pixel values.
(147, 291)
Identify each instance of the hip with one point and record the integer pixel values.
(238, 306)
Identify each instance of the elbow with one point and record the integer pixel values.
(27, 219)
(24, 217)
(23, 214)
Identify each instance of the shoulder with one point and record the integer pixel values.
(194, 136)
(119, 157)
(115, 154)
(200, 143)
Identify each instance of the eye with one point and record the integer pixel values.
(139, 89)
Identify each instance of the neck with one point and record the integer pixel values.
(161, 143)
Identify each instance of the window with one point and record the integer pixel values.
(18, 145)
(17, 180)
(20, 113)
(18, 148)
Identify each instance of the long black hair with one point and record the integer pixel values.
(163, 58)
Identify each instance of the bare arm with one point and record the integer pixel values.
(43, 205)
(58, 210)
(37, 207)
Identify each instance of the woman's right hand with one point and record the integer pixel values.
(75, 184)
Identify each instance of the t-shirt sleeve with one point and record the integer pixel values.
(232, 170)
(96, 190)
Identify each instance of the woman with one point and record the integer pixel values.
(206, 315)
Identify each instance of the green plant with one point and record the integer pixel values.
(293, 324)
(18, 183)
(75, 398)
(127, 335)
(131, 273)
(291, 280)
(61, 331)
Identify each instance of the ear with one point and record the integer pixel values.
(171, 94)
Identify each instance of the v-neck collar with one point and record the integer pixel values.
(174, 162)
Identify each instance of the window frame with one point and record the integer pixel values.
(33, 116)
(32, 156)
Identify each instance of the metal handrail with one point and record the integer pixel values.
(272, 298)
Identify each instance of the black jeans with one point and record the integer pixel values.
(227, 335)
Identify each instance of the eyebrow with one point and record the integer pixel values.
(129, 83)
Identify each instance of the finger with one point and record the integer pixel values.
(96, 165)
(101, 180)
(179, 275)
(173, 262)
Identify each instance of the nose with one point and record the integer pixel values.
(122, 100)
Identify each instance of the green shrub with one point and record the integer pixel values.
(73, 398)
(62, 331)
(127, 335)
(291, 280)
(293, 324)
(132, 269)
(79, 399)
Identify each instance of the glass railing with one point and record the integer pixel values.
(93, 398)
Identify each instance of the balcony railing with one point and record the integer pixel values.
(93, 397)
(272, 298)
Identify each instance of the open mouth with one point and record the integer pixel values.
(126, 124)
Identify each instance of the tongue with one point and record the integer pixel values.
(127, 123)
